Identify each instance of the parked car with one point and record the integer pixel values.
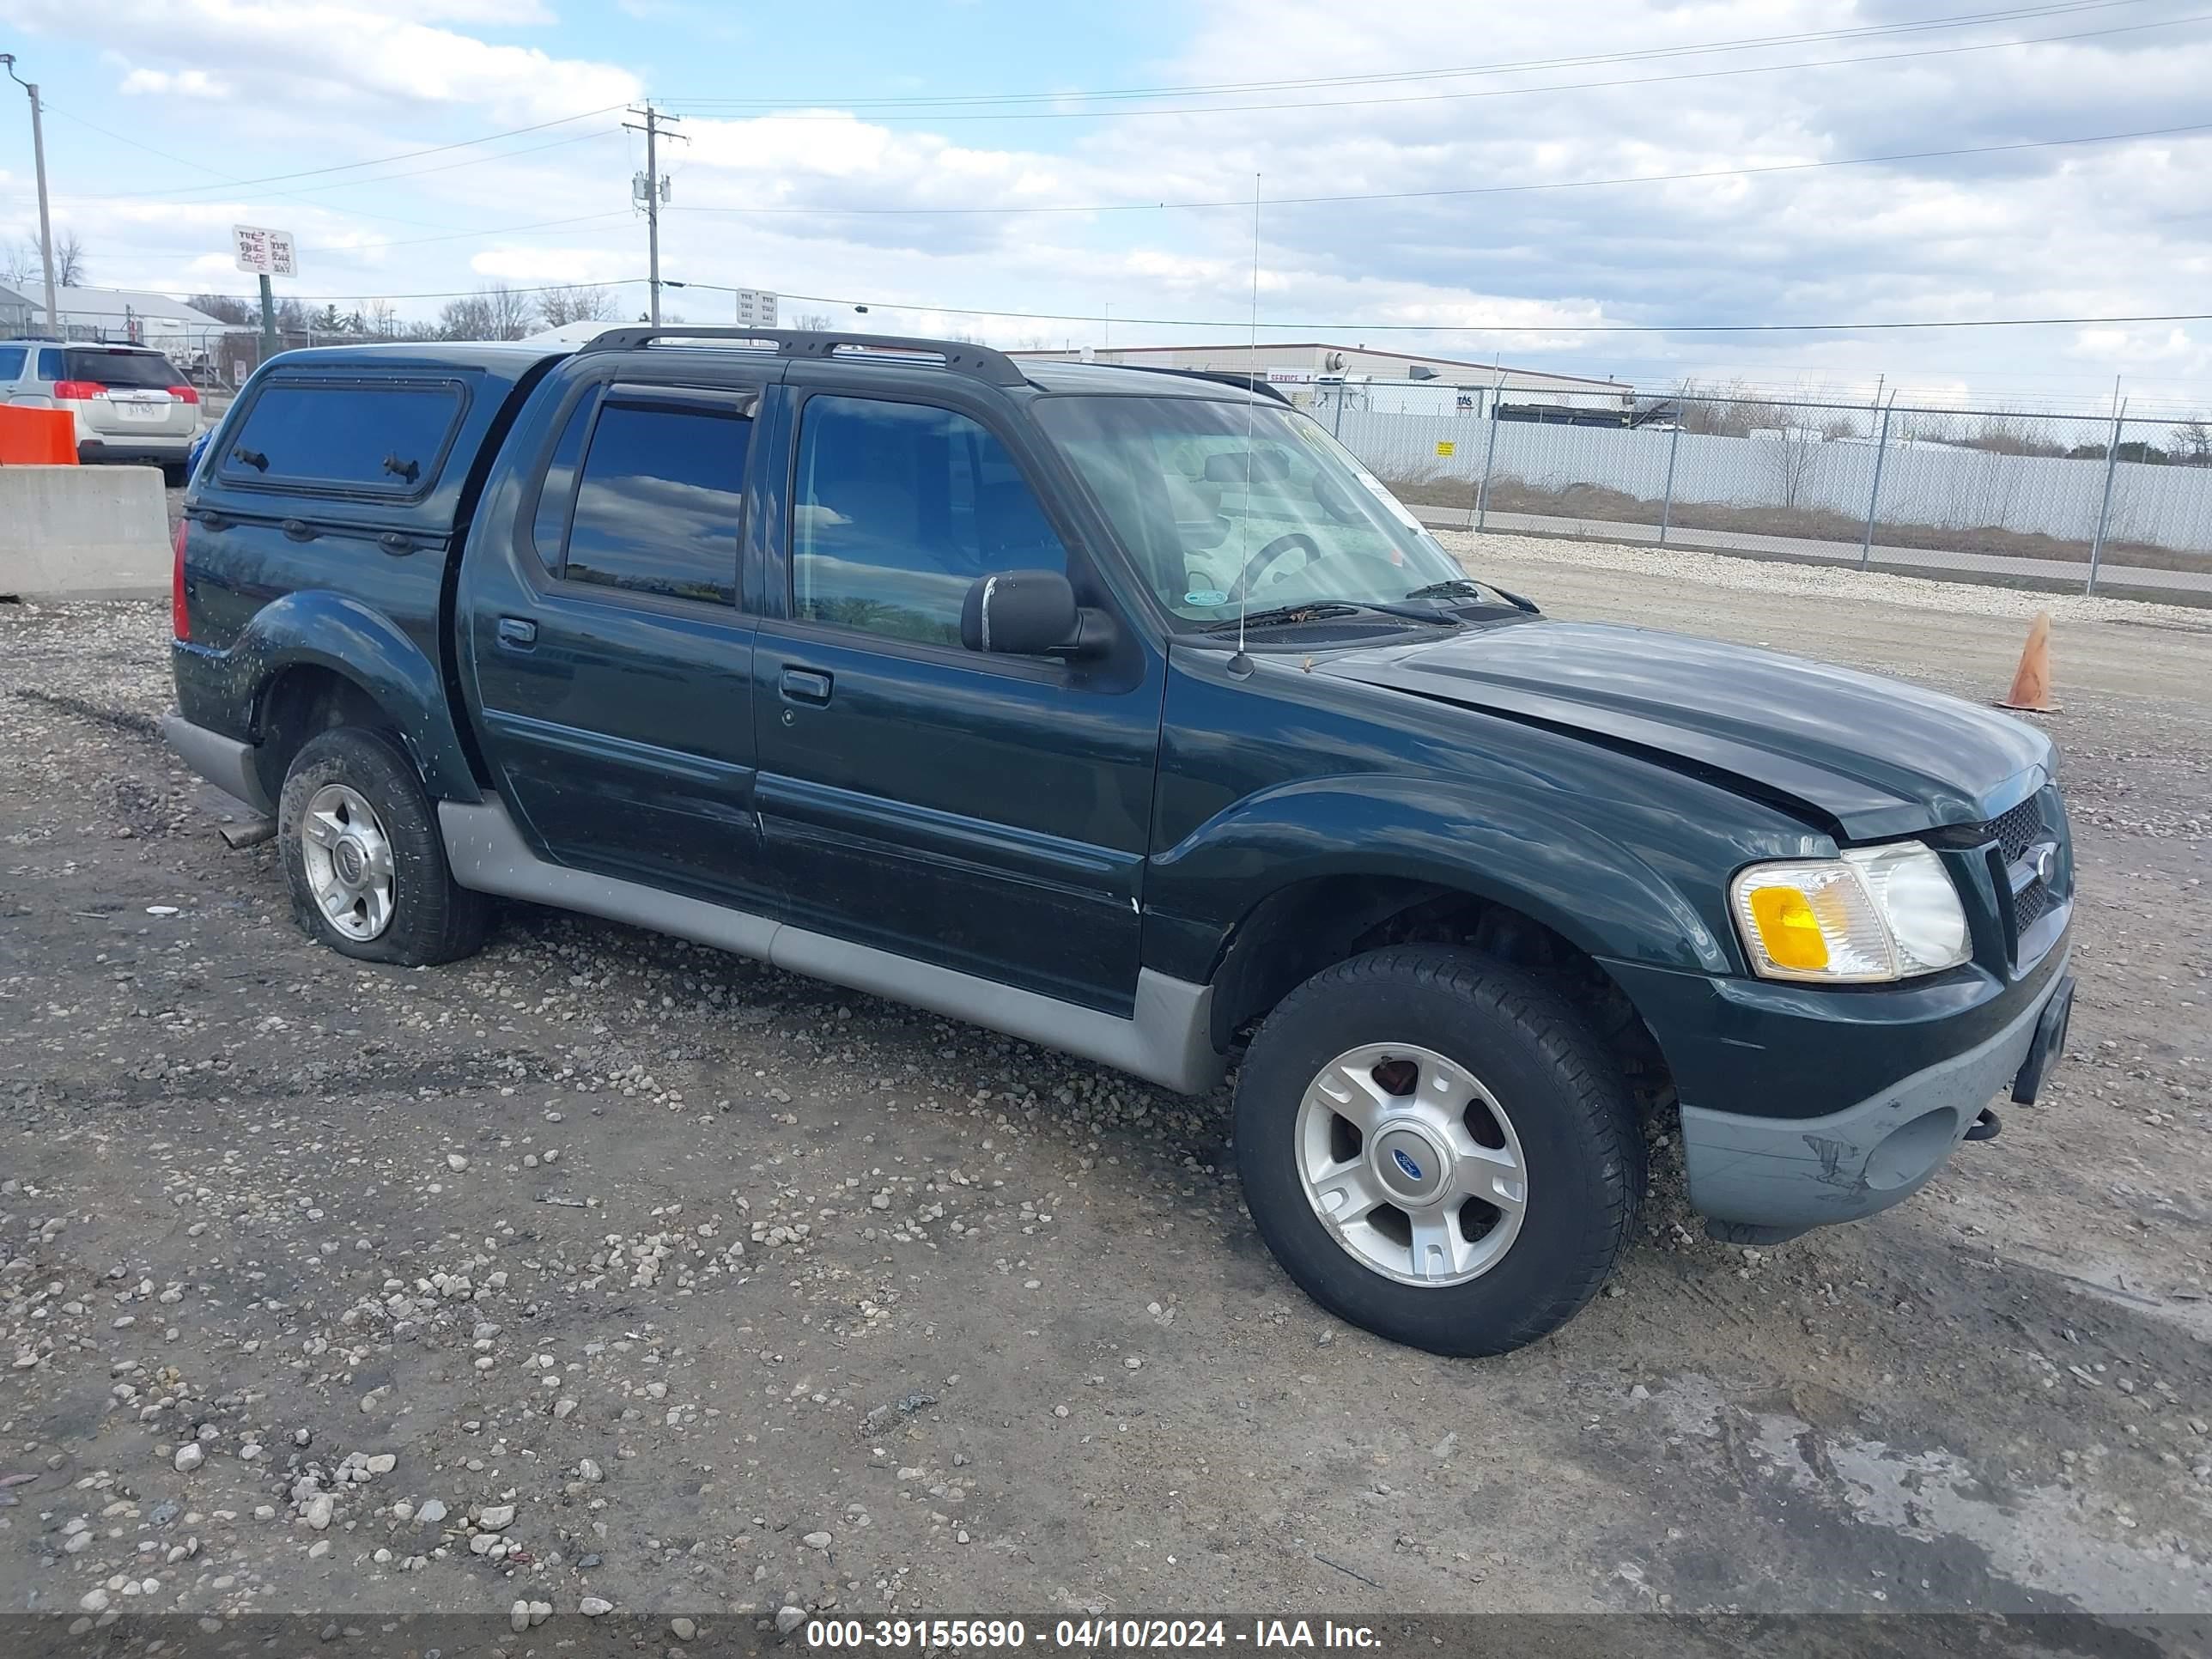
(1125, 712)
(131, 403)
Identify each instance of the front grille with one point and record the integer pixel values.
(2026, 897)
(2018, 830)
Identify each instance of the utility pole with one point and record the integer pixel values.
(38, 159)
(655, 192)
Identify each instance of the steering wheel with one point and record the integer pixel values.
(1257, 565)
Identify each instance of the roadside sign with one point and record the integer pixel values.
(265, 252)
(1445, 447)
(755, 308)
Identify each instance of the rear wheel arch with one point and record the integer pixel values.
(304, 700)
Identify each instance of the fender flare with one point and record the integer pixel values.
(315, 628)
(1521, 850)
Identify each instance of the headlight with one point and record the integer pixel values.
(1876, 912)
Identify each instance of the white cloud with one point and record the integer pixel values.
(2094, 230)
(553, 265)
(329, 54)
(182, 83)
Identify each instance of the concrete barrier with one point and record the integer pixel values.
(83, 532)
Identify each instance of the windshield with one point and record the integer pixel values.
(1215, 502)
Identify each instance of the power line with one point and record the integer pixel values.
(342, 249)
(295, 195)
(1496, 328)
(453, 293)
(302, 193)
(455, 167)
(381, 161)
(1480, 190)
(1746, 43)
(1310, 106)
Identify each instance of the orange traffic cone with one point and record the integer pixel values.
(2031, 685)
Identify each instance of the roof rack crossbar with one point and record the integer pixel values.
(961, 357)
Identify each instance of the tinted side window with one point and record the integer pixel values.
(342, 434)
(657, 505)
(11, 361)
(899, 508)
(50, 364)
(558, 488)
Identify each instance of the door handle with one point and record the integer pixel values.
(517, 633)
(806, 685)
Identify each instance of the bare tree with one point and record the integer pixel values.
(1791, 455)
(69, 260)
(496, 312)
(468, 318)
(226, 308)
(23, 267)
(564, 305)
(514, 312)
(380, 319)
(816, 322)
(2192, 442)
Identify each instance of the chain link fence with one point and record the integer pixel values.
(2096, 502)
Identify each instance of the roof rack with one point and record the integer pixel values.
(958, 356)
(1251, 383)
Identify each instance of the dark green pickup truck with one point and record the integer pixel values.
(1124, 711)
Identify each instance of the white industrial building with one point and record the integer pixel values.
(123, 315)
(1316, 375)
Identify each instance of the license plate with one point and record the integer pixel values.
(143, 411)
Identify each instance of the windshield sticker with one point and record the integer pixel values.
(1205, 596)
(1380, 492)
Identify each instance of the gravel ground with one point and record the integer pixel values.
(602, 1269)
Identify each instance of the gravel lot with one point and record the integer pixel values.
(605, 1269)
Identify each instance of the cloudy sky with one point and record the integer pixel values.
(418, 148)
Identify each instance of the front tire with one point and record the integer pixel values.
(363, 857)
(1437, 1150)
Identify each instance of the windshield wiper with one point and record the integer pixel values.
(1451, 587)
(1324, 610)
(1455, 587)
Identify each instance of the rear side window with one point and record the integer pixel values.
(50, 364)
(657, 505)
(387, 437)
(131, 368)
(12, 359)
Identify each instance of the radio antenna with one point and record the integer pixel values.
(1240, 663)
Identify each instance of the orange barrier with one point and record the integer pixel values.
(37, 437)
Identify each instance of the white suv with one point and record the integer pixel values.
(131, 403)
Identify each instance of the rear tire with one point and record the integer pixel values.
(1469, 1082)
(364, 858)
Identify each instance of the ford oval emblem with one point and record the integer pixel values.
(1412, 1169)
(2043, 860)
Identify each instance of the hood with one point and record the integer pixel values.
(1871, 758)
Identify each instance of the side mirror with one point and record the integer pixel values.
(1023, 613)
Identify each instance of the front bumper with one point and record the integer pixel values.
(1763, 1179)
